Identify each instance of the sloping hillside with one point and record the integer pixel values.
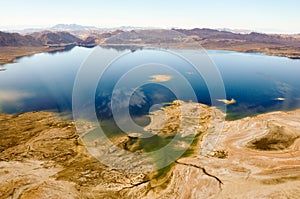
(147, 37)
(15, 39)
(50, 38)
(210, 34)
(270, 44)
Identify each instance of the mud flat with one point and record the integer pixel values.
(42, 156)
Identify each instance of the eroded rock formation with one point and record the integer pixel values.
(41, 156)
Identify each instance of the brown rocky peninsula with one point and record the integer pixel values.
(8, 54)
(41, 156)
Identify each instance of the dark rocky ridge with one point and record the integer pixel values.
(51, 38)
(15, 39)
(270, 44)
(205, 34)
(37, 39)
(144, 37)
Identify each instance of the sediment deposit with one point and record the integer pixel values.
(42, 156)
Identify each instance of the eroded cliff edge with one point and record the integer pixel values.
(41, 156)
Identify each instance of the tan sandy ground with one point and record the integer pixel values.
(8, 54)
(41, 156)
(160, 78)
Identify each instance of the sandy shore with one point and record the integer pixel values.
(9, 54)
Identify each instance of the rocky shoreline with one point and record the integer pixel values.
(42, 156)
(10, 54)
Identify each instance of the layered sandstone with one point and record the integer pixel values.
(42, 156)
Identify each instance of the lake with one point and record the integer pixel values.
(258, 83)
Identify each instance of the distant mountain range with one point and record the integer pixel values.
(62, 34)
(241, 31)
(72, 27)
(38, 39)
(253, 37)
(55, 38)
(77, 28)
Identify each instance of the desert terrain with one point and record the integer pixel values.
(15, 45)
(42, 156)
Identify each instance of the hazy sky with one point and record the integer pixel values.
(259, 15)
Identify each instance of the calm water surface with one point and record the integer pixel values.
(257, 82)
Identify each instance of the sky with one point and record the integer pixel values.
(270, 16)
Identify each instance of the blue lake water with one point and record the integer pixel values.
(259, 83)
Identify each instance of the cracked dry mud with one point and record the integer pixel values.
(41, 156)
